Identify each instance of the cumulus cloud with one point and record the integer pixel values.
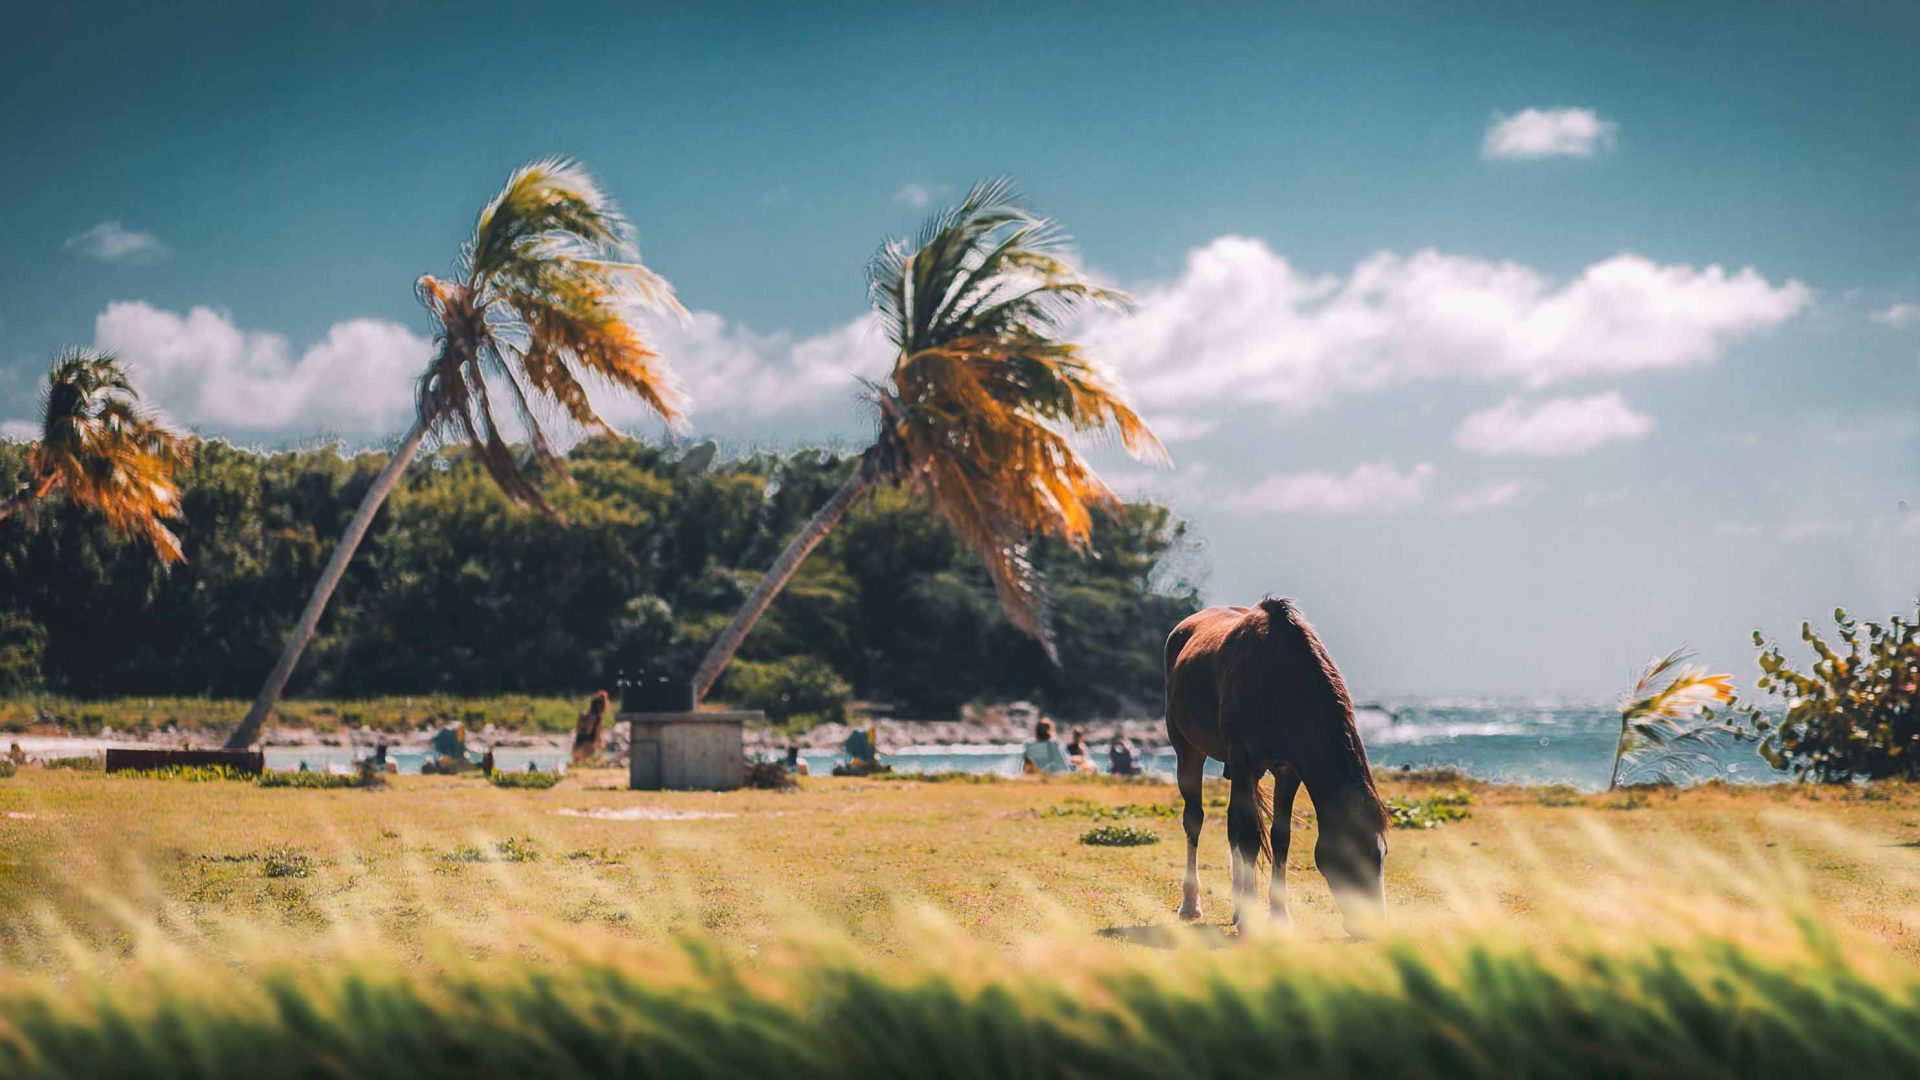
(1556, 427)
(1242, 324)
(110, 241)
(1897, 315)
(1374, 485)
(19, 430)
(731, 370)
(1491, 496)
(1540, 133)
(204, 370)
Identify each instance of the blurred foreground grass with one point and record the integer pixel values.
(445, 926)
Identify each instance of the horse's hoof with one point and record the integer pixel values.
(1188, 914)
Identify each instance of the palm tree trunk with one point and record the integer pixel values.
(302, 633)
(1619, 755)
(777, 576)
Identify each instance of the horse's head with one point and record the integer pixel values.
(1352, 856)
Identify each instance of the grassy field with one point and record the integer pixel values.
(901, 909)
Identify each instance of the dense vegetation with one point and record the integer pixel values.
(1855, 712)
(459, 592)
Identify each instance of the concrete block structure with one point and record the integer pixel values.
(687, 751)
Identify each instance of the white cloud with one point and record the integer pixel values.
(19, 430)
(109, 241)
(1556, 427)
(1736, 529)
(732, 370)
(919, 196)
(1539, 133)
(1897, 315)
(1375, 485)
(204, 370)
(1610, 497)
(1491, 496)
(1243, 325)
(1814, 529)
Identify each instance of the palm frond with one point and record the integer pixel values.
(109, 453)
(985, 392)
(554, 293)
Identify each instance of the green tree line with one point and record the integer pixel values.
(459, 591)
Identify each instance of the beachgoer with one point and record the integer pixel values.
(1077, 743)
(586, 732)
(1044, 754)
(1121, 759)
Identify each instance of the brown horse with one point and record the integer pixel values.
(1255, 689)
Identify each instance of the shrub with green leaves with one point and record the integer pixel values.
(1119, 836)
(1855, 713)
(535, 780)
(313, 780)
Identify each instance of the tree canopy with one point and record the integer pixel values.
(460, 592)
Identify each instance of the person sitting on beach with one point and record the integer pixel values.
(1121, 760)
(1044, 754)
(1077, 745)
(586, 731)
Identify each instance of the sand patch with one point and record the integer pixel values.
(645, 813)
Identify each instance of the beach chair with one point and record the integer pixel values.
(1047, 756)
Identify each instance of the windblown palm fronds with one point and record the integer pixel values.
(549, 292)
(978, 409)
(109, 454)
(1660, 716)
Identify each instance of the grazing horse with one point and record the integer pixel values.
(1254, 688)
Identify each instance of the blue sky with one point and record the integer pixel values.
(1520, 342)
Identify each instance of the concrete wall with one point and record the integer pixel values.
(686, 751)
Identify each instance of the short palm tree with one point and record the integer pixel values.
(1652, 713)
(549, 289)
(976, 411)
(108, 454)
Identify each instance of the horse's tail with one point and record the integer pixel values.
(1263, 810)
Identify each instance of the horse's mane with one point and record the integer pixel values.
(1349, 756)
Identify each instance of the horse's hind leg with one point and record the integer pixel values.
(1243, 834)
(1189, 767)
(1286, 784)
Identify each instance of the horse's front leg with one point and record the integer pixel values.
(1189, 767)
(1286, 784)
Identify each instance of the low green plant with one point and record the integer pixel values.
(1430, 812)
(534, 780)
(517, 850)
(286, 863)
(311, 780)
(6, 768)
(192, 774)
(83, 763)
(1110, 812)
(1119, 836)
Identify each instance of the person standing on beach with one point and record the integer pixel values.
(586, 732)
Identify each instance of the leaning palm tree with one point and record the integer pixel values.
(109, 454)
(549, 289)
(976, 411)
(1652, 715)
